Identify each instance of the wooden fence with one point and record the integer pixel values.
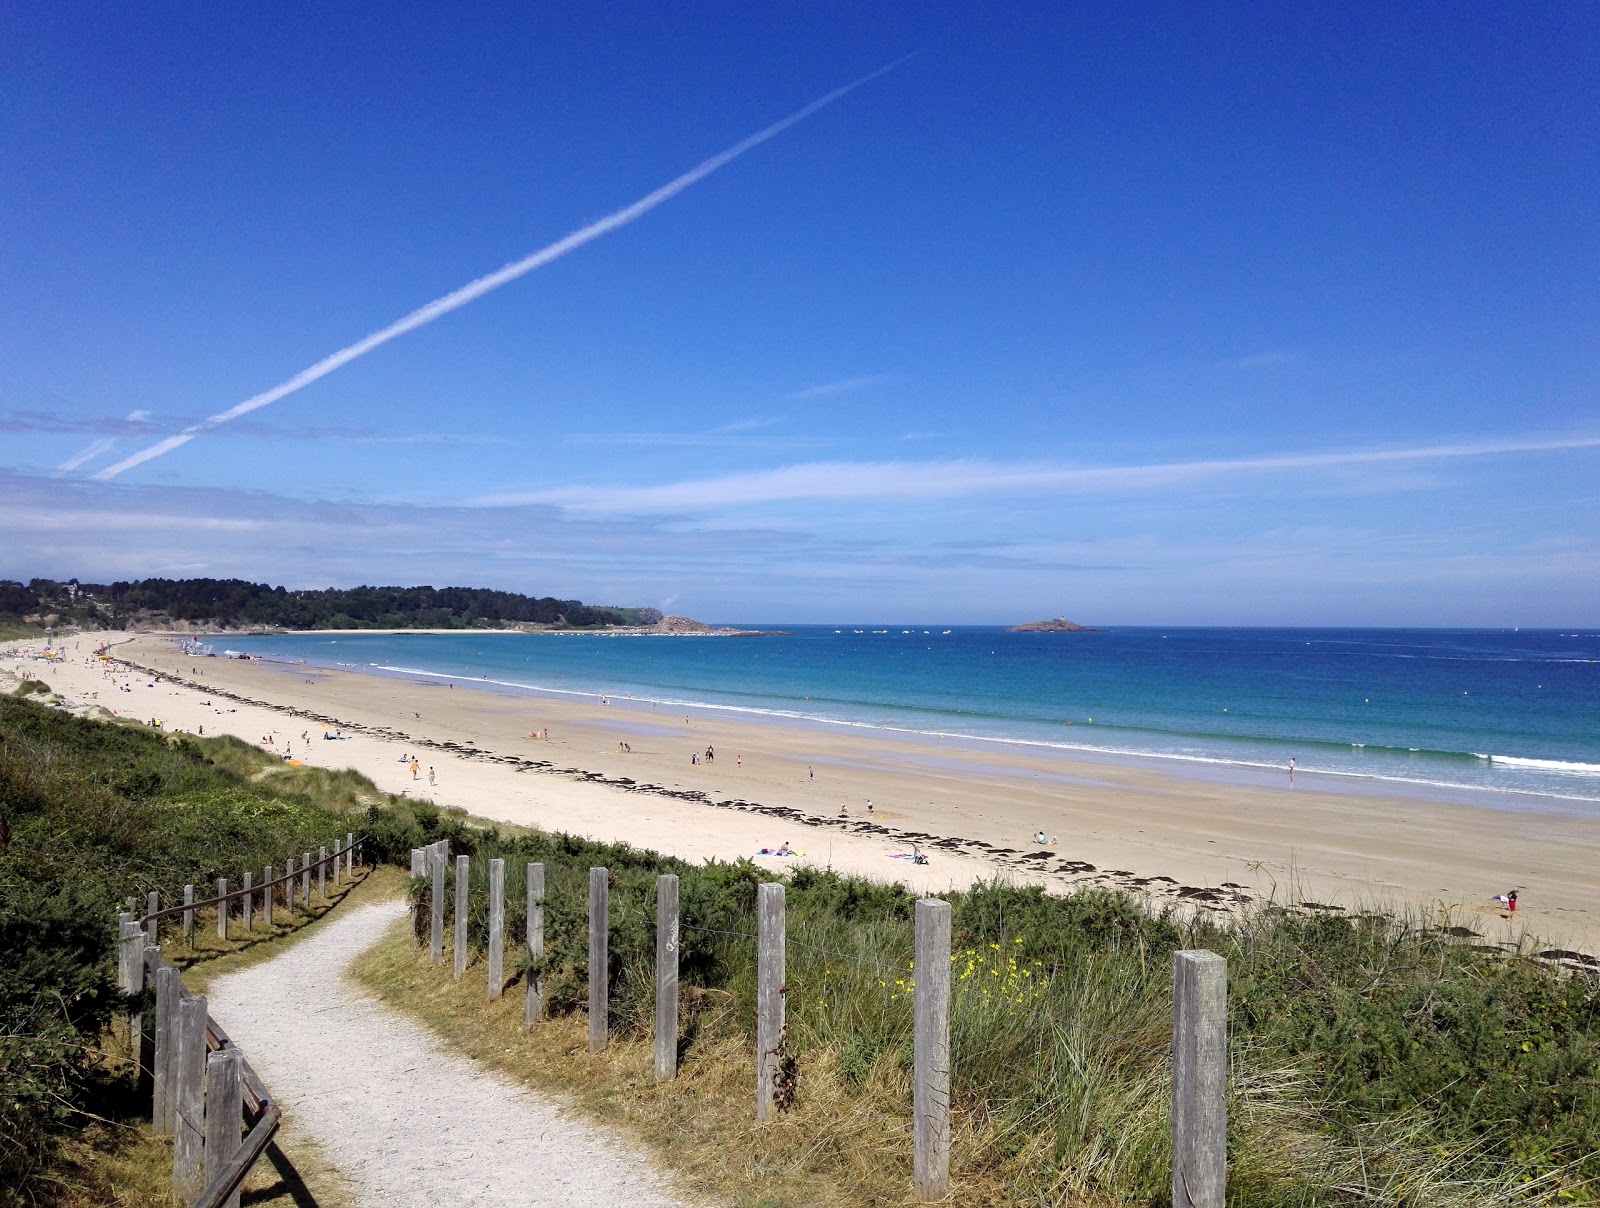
(203, 1092)
(1199, 1018)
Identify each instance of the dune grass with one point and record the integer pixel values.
(1374, 1059)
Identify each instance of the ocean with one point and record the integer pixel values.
(1506, 717)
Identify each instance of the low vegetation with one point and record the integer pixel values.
(1374, 1060)
(93, 814)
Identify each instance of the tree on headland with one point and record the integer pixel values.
(237, 603)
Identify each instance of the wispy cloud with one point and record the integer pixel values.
(845, 386)
(474, 290)
(1274, 359)
(750, 425)
(906, 480)
(136, 423)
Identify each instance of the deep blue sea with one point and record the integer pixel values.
(1507, 713)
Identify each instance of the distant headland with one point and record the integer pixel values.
(1058, 625)
(216, 606)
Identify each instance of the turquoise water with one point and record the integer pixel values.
(1512, 714)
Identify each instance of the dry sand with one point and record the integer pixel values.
(973, 809)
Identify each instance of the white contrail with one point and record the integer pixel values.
(493, 281)
(88, 453)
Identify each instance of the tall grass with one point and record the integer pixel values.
(1374, 1059)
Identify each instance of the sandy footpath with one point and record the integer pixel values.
(973, 809)
(406, 1121)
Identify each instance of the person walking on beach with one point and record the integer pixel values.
(1291, 769)
(430, 775)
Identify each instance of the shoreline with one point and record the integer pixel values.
(1187, 842)
(1201, 768)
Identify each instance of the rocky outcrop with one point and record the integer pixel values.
(1058, 625)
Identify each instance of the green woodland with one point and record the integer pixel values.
(1374, 1060)
(235, 603)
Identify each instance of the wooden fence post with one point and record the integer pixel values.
(222, 908)
(463, 897)
(930, 1090)
(770, 990)
(534, 1007)
(188, 1174)
(248, 902)
(124, 921)
(224, 1113)
(161, 1083)
(350, 853)
(130, 974)
(497, 927)
(266, 897)
(599, 958)
(150, 962)
(188, 915)
(153, 927)
(418, 868)
(305, 880)
(288, 887)
(338, 863)
(436, 913)
(667, 975)
(1199, 1079)
(322, 872)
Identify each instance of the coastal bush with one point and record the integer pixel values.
(93, 814)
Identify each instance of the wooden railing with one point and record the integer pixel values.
(203, 1092)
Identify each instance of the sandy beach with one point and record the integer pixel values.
(973, 810)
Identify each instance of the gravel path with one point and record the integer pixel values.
(405, 1120)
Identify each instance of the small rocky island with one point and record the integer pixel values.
(1058, 625)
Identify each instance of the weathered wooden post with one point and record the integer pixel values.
(248, 903)
(599, 958)
(188, 916)
(497, 927)
(350, 853)
(124, 973)
(930, 1092)
(288, 887)
(667, 975)
(338, 863)
(222, 908)
(224, 1113)
(322, 872)
(153, 925)
(770, 962)
(534, 1007)
(1199, 1079)
(130, 972)
(463, 890)
(305, 880)
(436, 915)
(168, 992)
(188, 1174)
(267, 890)
(418, 867)
(150, 962)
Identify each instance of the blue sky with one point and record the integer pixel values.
(1207, 314)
